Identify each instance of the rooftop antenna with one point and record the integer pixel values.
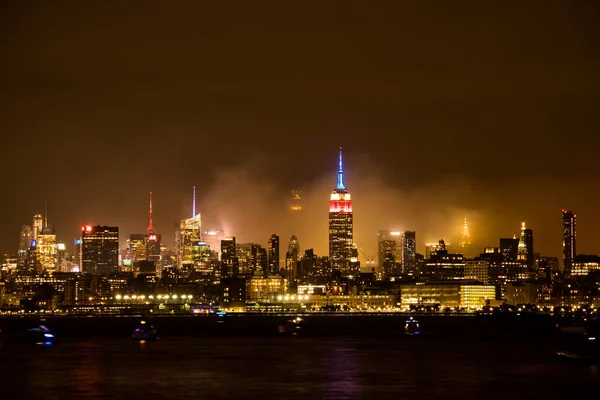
(194, 202)
(45, 213)
(150, 225)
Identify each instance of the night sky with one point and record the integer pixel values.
(444, 110)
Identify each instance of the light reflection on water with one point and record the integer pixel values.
(287, 368)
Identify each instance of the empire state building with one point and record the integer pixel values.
(341, 225)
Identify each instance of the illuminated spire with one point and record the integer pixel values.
(150, 226)
(194, 202)
(522, 248)
(466, 238)
(340, 180)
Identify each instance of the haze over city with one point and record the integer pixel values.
(250, 102)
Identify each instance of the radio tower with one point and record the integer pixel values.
(150, 226)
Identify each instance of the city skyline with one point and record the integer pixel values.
(435, 138)
(458, 246)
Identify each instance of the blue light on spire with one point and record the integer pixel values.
(340, 182)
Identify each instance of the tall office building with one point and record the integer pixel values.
(569, 239)
(409, 251)
(388, 257)
(387, 242)
(340, 224)
(137, 244)
(99, 249)
(525, 247)
(38, 225)
(229, 262)
(291, 259)
(186, 236)
(46, 251)
(509, 248)
(24, 243)
(190, 232)
(273, 255)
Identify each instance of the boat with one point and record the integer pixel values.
(144, 332)
(412, 327)
(290, 327)
(41, 335)
(578, 343)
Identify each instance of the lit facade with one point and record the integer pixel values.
(569, 239)
(447, 295)
(351, 302)
(260, 288)
(99, 249)
(273, 255)
(465, 241)
(190, 232)
(137, 244)
(582, 265)
(229, 262)
(477, 270)
(341, 227)
(525, 249)
(409, 251)
(46, 251)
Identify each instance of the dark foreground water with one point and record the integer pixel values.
(337, 358)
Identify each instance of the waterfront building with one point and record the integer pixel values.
(468, 296)
(265, 288)
(523, 292)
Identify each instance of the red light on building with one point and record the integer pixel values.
(152, 238)
(336, 206)
(88, 228)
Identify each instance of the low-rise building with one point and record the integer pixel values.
(463, 295)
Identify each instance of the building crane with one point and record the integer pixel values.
(369, 260)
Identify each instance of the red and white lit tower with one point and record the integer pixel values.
(152, 240)
(341, 225)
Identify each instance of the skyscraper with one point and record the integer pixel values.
(273, 255)
(99, 249)
(229, 262)
(569, 239)
(409, 251)
(152, 239)
(388, 241)
(465, 241)
(38, 225)
(525, 248)
(189, 233)
(509, 248)
(340, 224)
(291, 258)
